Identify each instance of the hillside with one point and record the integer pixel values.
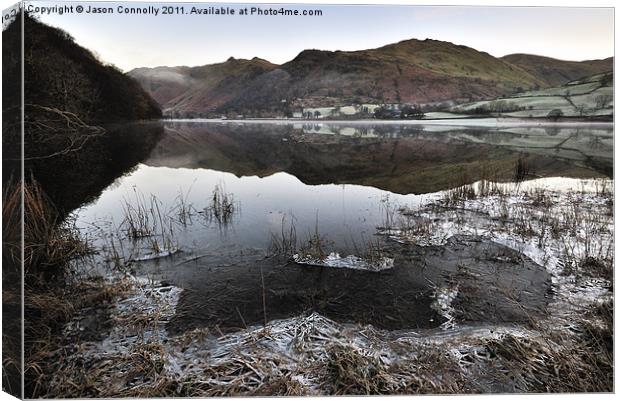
(555, 72)
(589, 97)
(60, 74)
(411, 71)
(68, 94)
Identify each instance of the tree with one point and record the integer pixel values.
(384, 113)
(555, 114)
(411, 112)
(602, 101)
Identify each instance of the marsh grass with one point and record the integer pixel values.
(222, 207)
(143, 216)
(415, 223)
(374, 253)
(149, 225)
(284, 242)
(183, 208)
(50, 242)
(53, 247)
(478, 190)
(316, 247)
(559, 361)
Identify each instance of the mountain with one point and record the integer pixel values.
(411, 71)
(556, 72)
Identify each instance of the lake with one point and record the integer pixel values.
(319, 183)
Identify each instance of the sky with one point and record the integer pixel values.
(130, 41)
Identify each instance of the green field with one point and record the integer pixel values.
(587, 97)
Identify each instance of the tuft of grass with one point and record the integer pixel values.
(222, 206)
(556, 362)
(284, 243)
(315, 249)
(351, 370)
(50, 243)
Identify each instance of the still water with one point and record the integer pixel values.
(338, 181)
(342, 179)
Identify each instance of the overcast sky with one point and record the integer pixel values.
(130, 41)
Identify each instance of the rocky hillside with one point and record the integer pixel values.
(411, 71)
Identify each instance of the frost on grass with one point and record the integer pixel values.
(442, 303)
(569, 231)
(313, 355)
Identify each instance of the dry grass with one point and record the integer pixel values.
(350, 370)
(51, 298)
(47, 312)
(11, 288)
(50, 244)
(316, 246)
(558, 361)
(284, 243)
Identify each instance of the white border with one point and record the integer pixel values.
(563, 3)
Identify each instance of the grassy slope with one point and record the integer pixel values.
(457, 61)
(216, 84)
(201, 88)
(579, 98)
(555, 72)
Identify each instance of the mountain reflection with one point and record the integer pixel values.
(398, 158)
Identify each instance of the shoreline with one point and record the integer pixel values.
(456, 122)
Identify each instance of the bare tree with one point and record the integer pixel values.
(58, 132)
(602, 101)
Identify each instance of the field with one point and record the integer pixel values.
(590, 97)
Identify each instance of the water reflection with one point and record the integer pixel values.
(75, 178)
(339, 179)
(398, 158)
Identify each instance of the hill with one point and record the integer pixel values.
(411, 71)
(60, 74)
(69, 95)
(554, 72)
